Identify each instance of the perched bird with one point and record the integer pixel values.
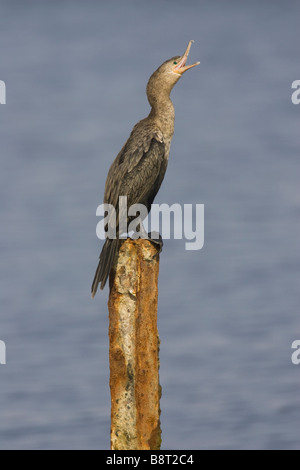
(139, 168)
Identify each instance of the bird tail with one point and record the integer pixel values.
(106, 261)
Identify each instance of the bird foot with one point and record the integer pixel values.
(153, 237)
(156, 239)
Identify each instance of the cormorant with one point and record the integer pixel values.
(139, 168)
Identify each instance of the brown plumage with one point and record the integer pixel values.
(139, 168)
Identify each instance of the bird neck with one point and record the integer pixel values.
(163, 113)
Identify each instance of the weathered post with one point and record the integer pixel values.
(134, 348)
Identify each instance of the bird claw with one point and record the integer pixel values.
(156, 239)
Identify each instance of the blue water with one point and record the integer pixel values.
(75, 74)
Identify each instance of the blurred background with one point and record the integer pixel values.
(75, 75)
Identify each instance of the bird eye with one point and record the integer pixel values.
(175, 63)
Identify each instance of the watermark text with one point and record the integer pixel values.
(172, 221)
(296, 95)
(296, 354)
(2, 92)
(2, 352)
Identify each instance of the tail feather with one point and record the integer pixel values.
(106, 261)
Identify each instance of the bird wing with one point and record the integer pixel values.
(143, 180)
(137, 171)
(135, 152)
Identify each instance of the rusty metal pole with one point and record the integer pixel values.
(134, 348)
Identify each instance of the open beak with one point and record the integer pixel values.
(181, 67)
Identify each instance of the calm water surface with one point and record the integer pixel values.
(76, 74)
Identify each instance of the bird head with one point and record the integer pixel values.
(165, 77)
(177, 65)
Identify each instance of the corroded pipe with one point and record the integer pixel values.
(134, 348)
